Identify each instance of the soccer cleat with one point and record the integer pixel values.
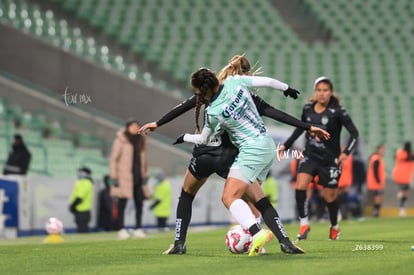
(259, 240)
(334, 233)
(178, 249)
(288, 247)
(303, 232)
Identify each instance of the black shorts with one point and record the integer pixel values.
(205, 165)
(404, 187)
(377, 192)
(328, 172)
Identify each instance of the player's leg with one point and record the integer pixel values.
(271, 218)
(378, 194)
(330, 195)
(190, 188)
(252, 207)
(328, 178)
(236, 185)
(302, 181)
(404, 189)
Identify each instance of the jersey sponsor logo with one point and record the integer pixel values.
(324, 120)
(229, 110)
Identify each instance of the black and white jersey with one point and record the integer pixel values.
(331, 119)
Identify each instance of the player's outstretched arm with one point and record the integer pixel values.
(319, 133)
(196, 138)
(263, 81)
(175, 112)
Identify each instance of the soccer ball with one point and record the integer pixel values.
(54, 226)
(238, 240)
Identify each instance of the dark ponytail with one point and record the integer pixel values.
(204, 80)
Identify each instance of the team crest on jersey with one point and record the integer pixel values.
(324, 120)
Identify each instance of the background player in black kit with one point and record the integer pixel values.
(216, 159)
(322, 158)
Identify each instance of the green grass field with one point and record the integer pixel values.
(373, 246)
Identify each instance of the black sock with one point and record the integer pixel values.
(403, 202)
(184, 211)
(301, 203)
(333, 212)
(377, 207)
(271, 218)
(254, 229)
(343, 205)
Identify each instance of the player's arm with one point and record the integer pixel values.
(201, 138)
(294, 136)
(353, 131)
(178, 110)
(198, 138)
(265, 109)
(263, 81)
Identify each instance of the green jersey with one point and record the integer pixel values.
(233, 110)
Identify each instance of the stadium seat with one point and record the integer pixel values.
(371, 51)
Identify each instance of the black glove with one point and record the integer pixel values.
(114, 182)
(293, 93)
(179, 140)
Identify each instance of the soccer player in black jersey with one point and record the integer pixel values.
(323, 158)
(217, 158)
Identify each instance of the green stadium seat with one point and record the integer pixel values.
(371, 53)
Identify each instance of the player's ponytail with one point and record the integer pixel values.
(238, 65)
(199, 103)
(204, 80)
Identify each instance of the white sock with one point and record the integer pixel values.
(304, 221)
(242, 213)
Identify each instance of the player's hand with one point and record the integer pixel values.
(319, 133)
(179, 140)
(280, 151)
(342, 158)
(293, 93)
(148, 128)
